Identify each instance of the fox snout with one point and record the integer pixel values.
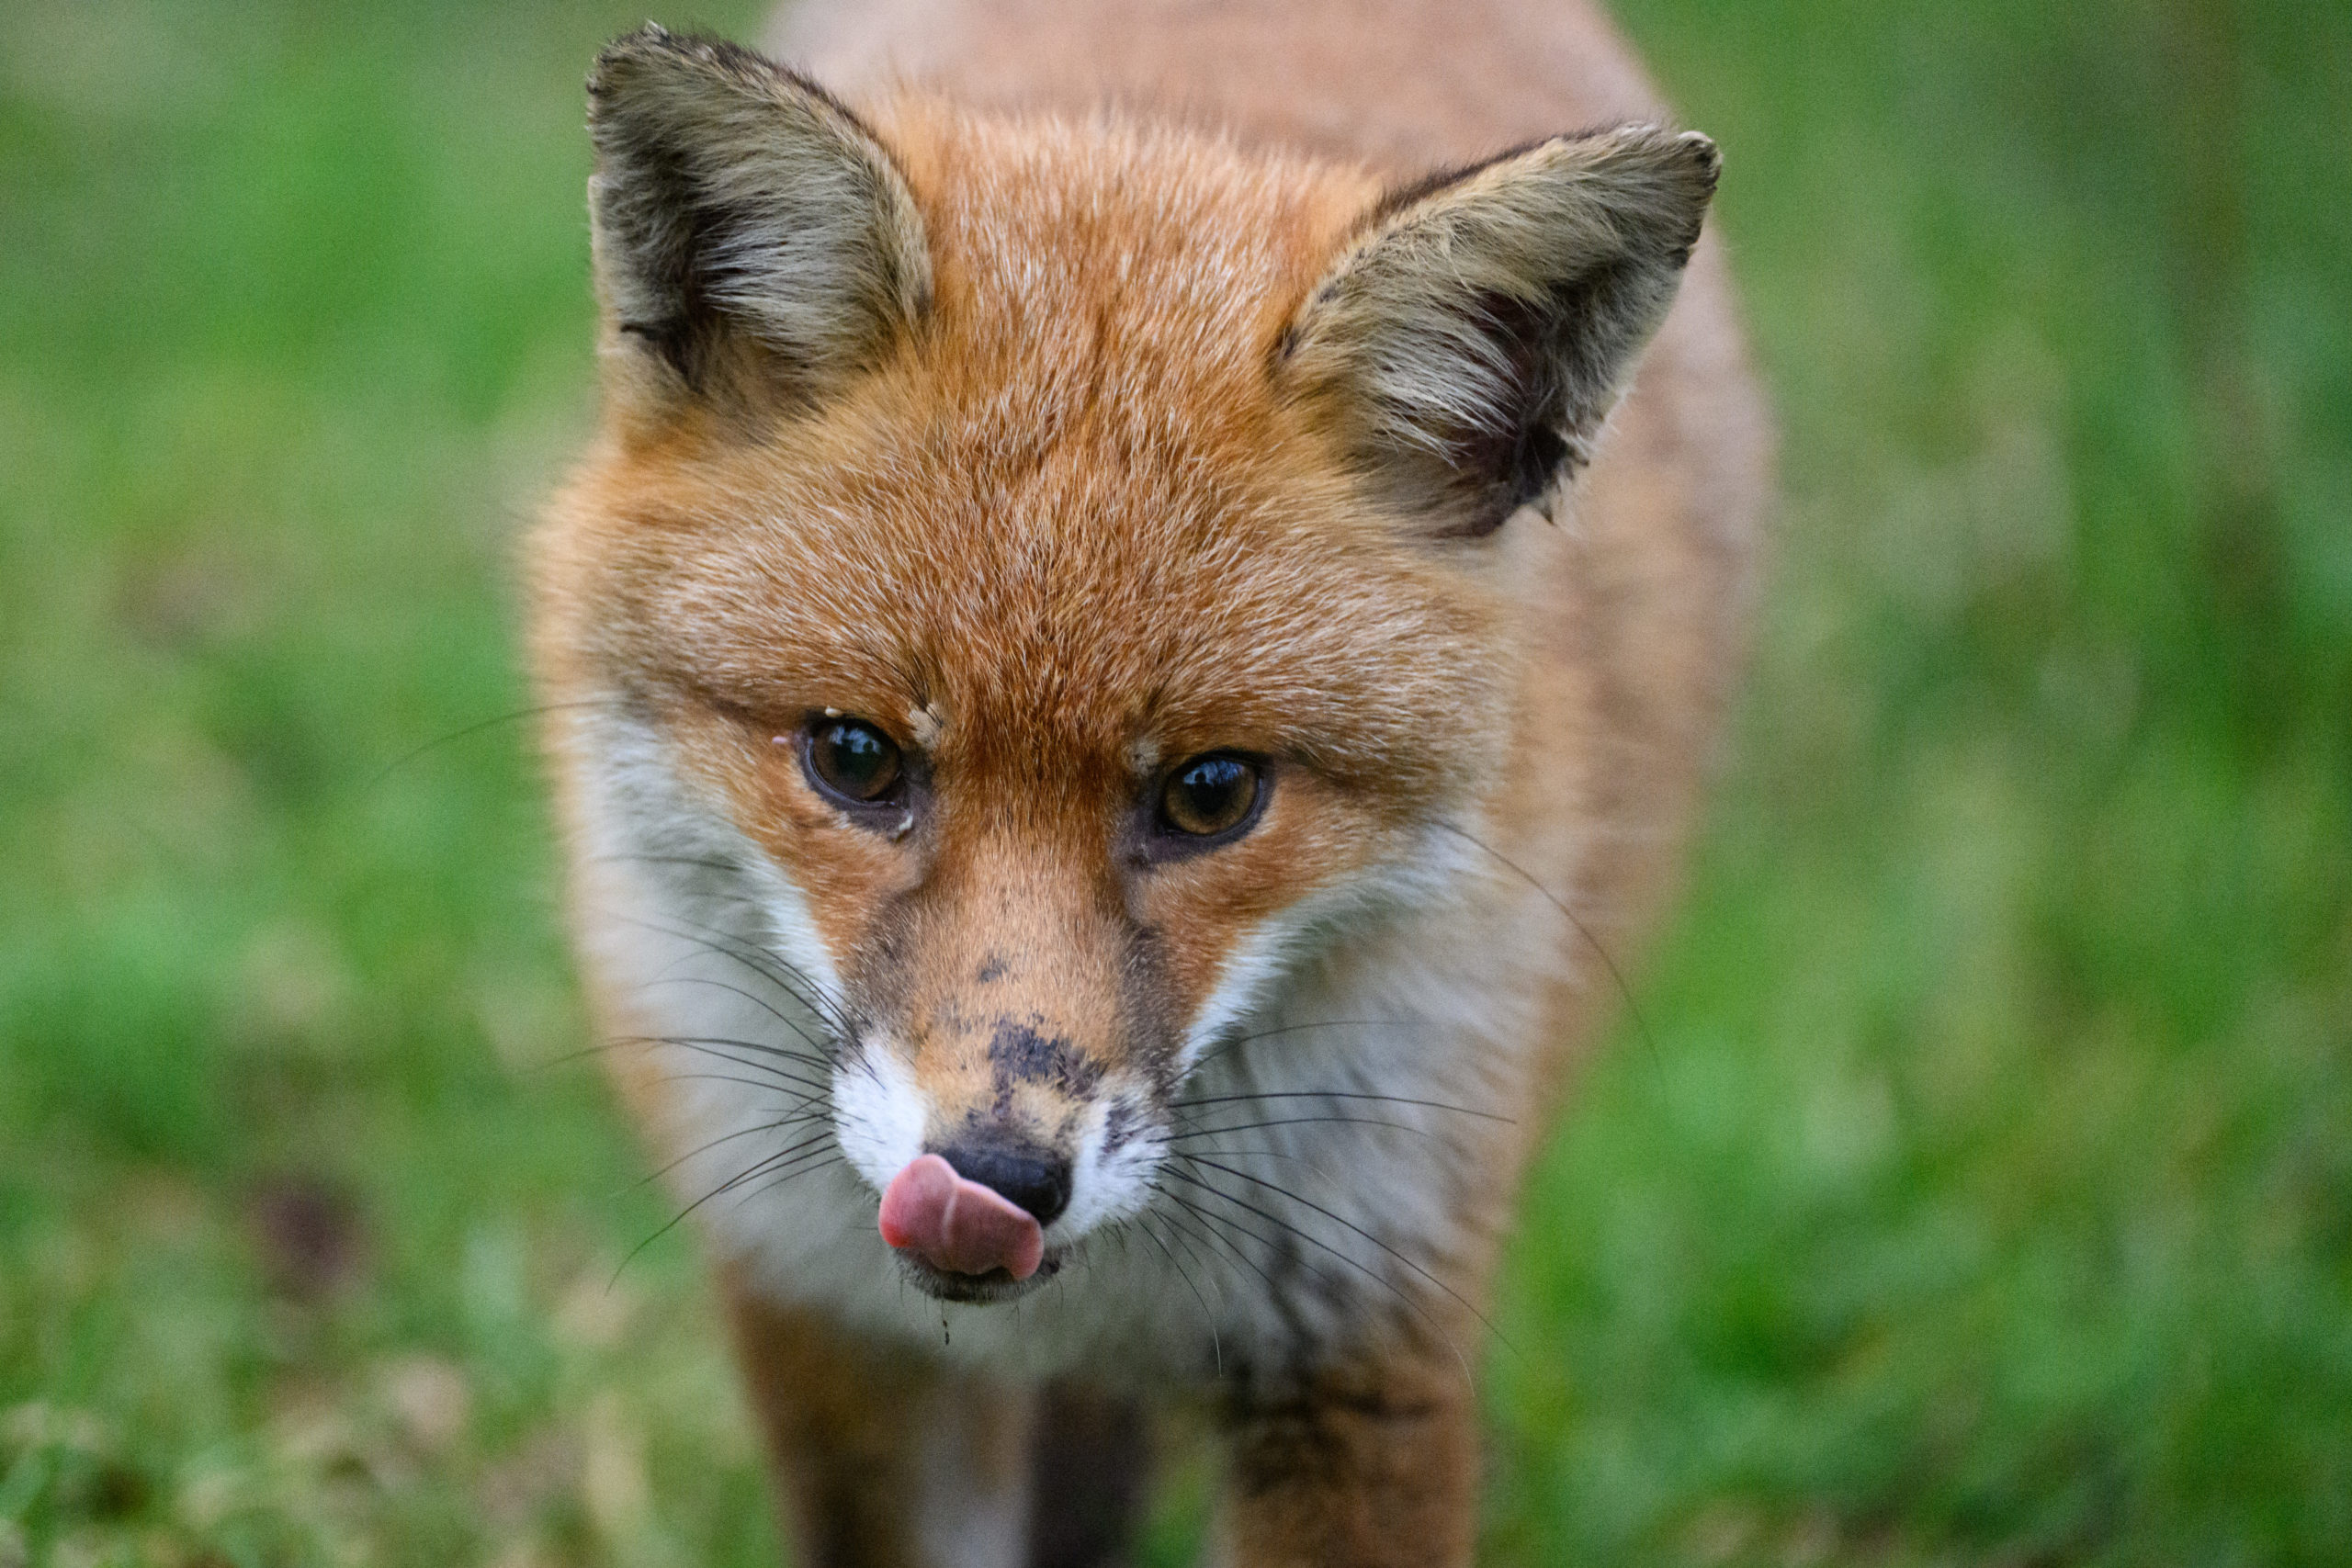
(1004, 1052)
(1008, 1115)
(1013, 1119)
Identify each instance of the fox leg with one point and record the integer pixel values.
(1093, 1460)
(1369, 1466)
(880, 1460)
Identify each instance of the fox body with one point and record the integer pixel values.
(1130, 646)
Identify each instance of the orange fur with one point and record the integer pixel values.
(1114, 442)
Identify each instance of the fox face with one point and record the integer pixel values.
(1060, 773)
(1047, 573)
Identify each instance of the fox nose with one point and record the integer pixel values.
(1033, 1178)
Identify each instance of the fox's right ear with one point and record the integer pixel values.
(753, 238)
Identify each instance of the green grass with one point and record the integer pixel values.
(1986, 1194)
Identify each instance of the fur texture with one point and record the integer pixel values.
(1469, 346)
(744, 219)
(1061, 445)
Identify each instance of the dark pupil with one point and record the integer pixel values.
(1211, 794)
(856, 761)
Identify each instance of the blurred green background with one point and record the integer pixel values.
(1986, 1196)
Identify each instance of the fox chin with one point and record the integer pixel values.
(1131, 653)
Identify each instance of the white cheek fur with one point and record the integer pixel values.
(1107, 1184)
(878, 1113)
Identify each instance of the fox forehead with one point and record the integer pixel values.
(1076, 501)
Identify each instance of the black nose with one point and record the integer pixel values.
(1038, 1182)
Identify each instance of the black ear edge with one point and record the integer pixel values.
(1560, 330)
(657, 45)
(671, 117)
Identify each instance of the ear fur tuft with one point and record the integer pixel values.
(1470, 343)
(749, 228)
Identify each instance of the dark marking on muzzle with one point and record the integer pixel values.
(1022, 1053)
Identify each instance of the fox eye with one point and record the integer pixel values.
(1209, 795)
(852, 760)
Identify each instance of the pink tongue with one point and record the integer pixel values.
(958, 1226)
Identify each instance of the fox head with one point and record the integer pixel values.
(1051, 570)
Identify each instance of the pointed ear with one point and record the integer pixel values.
(1470, 341)
(750, 235)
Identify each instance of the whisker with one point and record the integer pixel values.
(759, 1047)
(779, 971)
(1197, 1131)
(1239, 1040)
(1388, 1284)
(397, 764)
(767, 1187)
(1285, 1225)
(775, 1076)
(1175, 1228)
(799, 1119)
(1297, 1159)
(1616, 976)
(784, 1156)
(1215, 1344)
(814, 1089)
(1209, 1223)
(773, 1054)
(1215, 1225)
(1282, 1191)
(738, 990)
(1337, 1094)
(667, 859)
(800, 1101)
(779, 1052)
(761, 962)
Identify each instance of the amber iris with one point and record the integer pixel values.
(1209, 795)
(851, 759)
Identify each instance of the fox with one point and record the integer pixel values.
(1136, 648)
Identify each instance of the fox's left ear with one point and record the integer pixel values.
(1468, 344)
(753, 238)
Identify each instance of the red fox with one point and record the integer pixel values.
(1130, 648)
